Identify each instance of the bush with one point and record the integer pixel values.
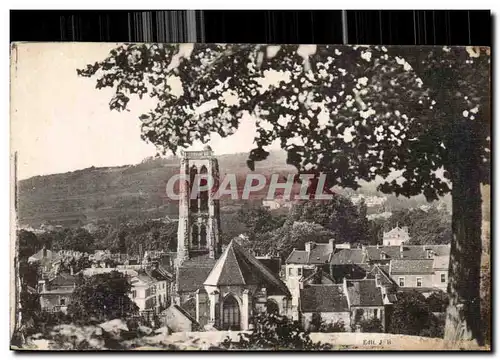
(338, 326)
(373, 325)
(274, 332)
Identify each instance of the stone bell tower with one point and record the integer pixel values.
(199, 217)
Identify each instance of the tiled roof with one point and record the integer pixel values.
(406, 266)
(238, 267)
(347, 256)
(63, 279)
(193, 272)
(409, 251)
(323, 298)
(272, 264)
(441, 262)
(383, 273)
(364, 293)
(49, 255)
(298, 257)
(318, 277)
(320, 254)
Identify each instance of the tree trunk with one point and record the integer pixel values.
(463, 316)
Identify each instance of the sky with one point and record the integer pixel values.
(61, 123)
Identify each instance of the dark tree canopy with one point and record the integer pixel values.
(102, 297)
(352, 112)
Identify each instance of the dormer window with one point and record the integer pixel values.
(383, 255)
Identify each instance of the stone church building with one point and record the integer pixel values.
(218, 289)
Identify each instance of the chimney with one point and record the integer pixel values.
(42, 286)
(401, 249)
(378, 246)
(309, 246)
(44, 252)
(331, 245)
(71, 270)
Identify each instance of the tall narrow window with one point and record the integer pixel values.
(419, 282)
(203, 185)
(194, 236)
(203, 236)
(193, 203)
(443, 278)
(230, 314)
(402, 281)
(375, 313)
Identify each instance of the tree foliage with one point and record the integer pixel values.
(426, 227)
(373, 325)
(102, 297)
(352, 112)
(412, 315)
(275, 332)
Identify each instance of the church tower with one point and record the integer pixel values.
(199, 216)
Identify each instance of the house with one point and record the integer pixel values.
(348, 263)
(151, 286)
(396, 236)
(413, 273)
(55, 294)
(178, 320)
(47, 260)
(326, 300)
(150, 290)
(365, 301)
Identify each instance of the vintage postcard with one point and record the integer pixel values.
(225, 197)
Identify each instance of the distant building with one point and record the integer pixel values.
(55, 294)
(47, 260)
(396, 236)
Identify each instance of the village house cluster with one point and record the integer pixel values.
(207, 286)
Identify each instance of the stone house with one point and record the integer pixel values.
(365, 301)
(326, 300)
(55, 294)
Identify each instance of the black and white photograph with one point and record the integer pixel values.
(246, 197)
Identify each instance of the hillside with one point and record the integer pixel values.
(134, 192)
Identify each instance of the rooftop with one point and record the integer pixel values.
(323, 298)
(410, 266)
(364, 293)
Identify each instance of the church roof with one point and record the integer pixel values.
(238, 267)
(193, 272)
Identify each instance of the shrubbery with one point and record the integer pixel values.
(274, 332)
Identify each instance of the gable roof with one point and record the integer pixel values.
(298, 257)
(364, 293)
(347, 256)
(63, 279)
(182, 312)
(193, 272)
(238, 267)
(382, 272)
(409, 251)
(407, 266)
(323, 298)
(441, 262)
(318, 277)
(49, 255)
(320, 253)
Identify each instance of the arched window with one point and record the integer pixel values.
(193, 202)
(272, 307)
(204, 193)
(194, 236)
(203, 236)
(230, 314)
